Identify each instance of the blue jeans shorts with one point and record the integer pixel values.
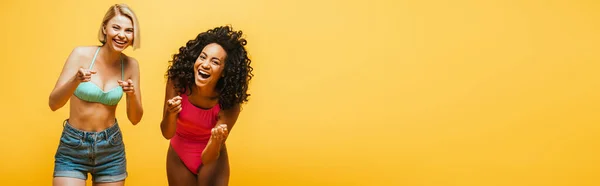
(101, 154)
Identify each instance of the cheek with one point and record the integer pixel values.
(219, 70)
(111, 32)
(130, 37)
(196, 65)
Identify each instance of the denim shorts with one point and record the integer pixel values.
(101, 154)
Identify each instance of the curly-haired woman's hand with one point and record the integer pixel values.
(219, 133)
(174, 105)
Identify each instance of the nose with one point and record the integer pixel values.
(121, 34)
(204, 64)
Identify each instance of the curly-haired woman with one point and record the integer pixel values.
(207, 83)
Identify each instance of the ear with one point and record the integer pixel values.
(104, 30)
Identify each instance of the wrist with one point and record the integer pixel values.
(215, 141)
(75, 80)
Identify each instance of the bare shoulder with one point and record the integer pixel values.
(233, 111)
(130, 62)
(132, 67)
(82, 55)
(84, 51)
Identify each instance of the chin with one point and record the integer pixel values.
(200, 84)
(118, 49)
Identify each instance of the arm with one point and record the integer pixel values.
(216, 144)
(171, 108)
(135, 110)
(67, 81)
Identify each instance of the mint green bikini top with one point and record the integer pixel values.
(90, 92)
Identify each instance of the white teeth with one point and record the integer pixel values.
(203, 73)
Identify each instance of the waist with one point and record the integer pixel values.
(91, 116)
(193, 131)
(191, 137)
(70, 129)
(91, 124)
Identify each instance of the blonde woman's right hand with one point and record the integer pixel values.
(174, 105)
(84, 75)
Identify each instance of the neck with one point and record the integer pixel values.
(205, 93)
(109, 55)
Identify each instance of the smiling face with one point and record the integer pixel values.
(119, 33)
(209, 66)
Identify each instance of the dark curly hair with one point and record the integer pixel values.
(233, 87)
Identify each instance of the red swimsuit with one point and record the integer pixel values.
(193, 132)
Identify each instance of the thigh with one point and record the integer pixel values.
(110, 164)
(177, 173)
(221, 177)
(215, 173)
(71, 161)
(66, 181)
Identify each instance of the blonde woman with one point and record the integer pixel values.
(94, 79)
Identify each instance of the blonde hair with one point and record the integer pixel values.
(120, 9)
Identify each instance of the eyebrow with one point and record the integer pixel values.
(212, 57)
(115, 24)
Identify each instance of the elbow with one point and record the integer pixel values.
(134, 122)
(53, 106)
(167, 131)
(167, 136)
(136, 119)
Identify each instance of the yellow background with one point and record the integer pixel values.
(375, 92)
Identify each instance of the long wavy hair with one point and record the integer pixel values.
(233, 86)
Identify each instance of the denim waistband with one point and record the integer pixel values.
(104, 134)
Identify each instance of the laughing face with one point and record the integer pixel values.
(209, 66)
(119, 33)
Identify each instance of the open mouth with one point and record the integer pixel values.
(120, 42)
(203, 75)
